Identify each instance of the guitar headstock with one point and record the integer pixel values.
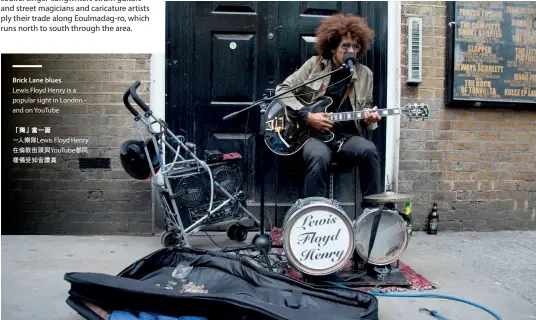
(416, 111)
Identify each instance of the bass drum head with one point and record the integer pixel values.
(391, 237)
(318, 236)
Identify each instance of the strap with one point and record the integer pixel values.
(346, 94)
(348, 89)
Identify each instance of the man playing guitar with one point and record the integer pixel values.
(336, 36)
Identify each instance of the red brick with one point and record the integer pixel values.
(527, 176)
(466, 115)
(442, 135)
(446, 185)
(465, 185)
(444, 145)
(518, 136)
(413, 134)
(472, 166)
(526, 117)
(487, 195)
(490, 136)
(466, 126)
(485, 185)
(464, 146)
(485, 146)
(429, 155)
(440, 31)
(444, 125)
(509, 116)
(512, 127)
(457, 155)
(430, 125)
(504, 185)
(530, 147)
(515, 166)
(449, 175)
(411, 145)
(521, 195)
(431, 145)
(508, 156)
(486, 156)
(505, 146)
(488, 116)
(462, 136)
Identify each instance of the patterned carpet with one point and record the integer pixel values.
(416, 280)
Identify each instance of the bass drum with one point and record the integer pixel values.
(391, 237)
(318, 238)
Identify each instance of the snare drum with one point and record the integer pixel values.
(391, 237)
(318, 237)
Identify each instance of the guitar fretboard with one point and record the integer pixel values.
(358, 115)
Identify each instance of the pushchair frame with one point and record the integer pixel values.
(176, 233)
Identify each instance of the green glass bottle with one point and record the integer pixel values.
(409, 217)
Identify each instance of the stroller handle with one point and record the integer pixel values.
(131, 91)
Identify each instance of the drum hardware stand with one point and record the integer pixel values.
(263, 242)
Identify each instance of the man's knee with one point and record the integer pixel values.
(316, 155)
(368, 149)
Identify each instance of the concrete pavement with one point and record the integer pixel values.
(495, 269)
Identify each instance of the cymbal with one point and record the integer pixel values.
(388, 196)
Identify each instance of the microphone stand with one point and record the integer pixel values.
(262, 242)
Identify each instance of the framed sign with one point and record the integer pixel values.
(491, 54)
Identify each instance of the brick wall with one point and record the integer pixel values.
(478, 164)
(50, 198)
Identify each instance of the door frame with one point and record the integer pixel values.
(394, 76)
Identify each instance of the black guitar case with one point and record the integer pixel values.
(237, 289)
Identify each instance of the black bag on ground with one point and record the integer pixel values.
(237, 289)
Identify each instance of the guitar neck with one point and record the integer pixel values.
(358, 115)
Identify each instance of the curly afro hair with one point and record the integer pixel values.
(333, 28)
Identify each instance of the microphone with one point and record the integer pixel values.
(349, 60)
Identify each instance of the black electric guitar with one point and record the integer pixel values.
(284, 137)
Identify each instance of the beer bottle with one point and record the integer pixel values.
(433, 219)
(409, 218)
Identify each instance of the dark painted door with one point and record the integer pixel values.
(221, 57)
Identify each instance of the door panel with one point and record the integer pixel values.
(232, 62)
(222, 56)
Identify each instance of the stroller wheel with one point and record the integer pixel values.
(241, 233)
(169, 239)
(231, 231)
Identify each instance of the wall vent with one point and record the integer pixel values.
(414, 65)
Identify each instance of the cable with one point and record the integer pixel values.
(217, 245)
(422, 295)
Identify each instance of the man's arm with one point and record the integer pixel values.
(298, 112)
(369, 101)
(298, 77)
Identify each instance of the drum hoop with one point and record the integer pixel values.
(290, 255)
(362, 255)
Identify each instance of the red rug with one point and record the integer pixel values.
(416, 280)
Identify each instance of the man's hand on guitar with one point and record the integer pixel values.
(372, 116)
(319, 121)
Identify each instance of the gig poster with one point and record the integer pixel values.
(494, 51)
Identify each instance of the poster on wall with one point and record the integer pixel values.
(491, 54)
